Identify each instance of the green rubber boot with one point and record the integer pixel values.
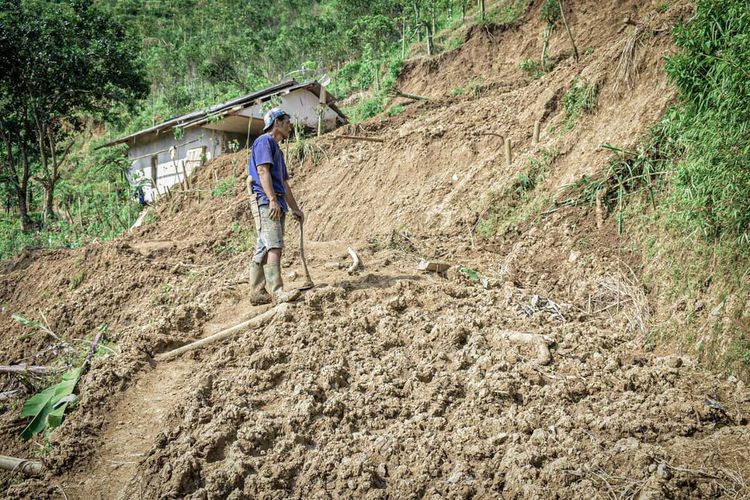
(257, 281)
(276, 285)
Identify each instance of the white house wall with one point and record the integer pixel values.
(169, 171)
(302, 105)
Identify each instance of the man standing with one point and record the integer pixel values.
(270, 200)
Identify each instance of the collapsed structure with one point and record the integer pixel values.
(167, 153)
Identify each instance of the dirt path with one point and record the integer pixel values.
(133, 426)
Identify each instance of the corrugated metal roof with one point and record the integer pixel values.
(199, 117)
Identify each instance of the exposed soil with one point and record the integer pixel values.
(391, 383)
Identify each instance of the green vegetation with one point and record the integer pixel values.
(508, 12)
(225, 187)
(518, 201)
(241, 240)
(710, 128)
(532, 68)
(396, 110)
(685, 191)
(47, 407)
(579, 99)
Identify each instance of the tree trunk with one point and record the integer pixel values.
(23, 211)
(49, 198)
(430, 43)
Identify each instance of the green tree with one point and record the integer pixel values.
(63, 62)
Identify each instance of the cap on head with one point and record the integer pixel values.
(271, 116)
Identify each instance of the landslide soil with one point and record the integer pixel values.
(389, 382)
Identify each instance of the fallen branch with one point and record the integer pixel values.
(355, 261)
(414, 97)
(359, 138)
(493, 134)
(255, 322)
(24, 369)
(10, 394)
(92, 348)
(541, 342)
(28, 467)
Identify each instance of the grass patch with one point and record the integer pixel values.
(76, 280)
(510, 13)
(531, 68)
(225, 187)
(396, 110)
(241, 240)
(518, 202)
(579, 99)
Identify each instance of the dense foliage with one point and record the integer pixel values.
(712, 126)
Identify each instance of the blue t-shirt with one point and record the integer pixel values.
(266, 150)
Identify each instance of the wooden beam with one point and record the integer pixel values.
(163, 150)
(28, 467)
(255, 322)
(24, 369)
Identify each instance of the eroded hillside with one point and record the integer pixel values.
(389, 382)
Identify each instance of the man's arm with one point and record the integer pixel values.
(289, 197)
(274, 209)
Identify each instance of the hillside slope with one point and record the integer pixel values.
(389, 382)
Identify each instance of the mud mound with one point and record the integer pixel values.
(408, 391)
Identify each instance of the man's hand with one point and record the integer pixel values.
(274, 210)
(298, 215)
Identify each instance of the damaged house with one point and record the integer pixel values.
(167, 153)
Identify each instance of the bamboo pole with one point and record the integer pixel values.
(255, 322)
(27, 369)
(184, 173)
(28, 467)
(508, 151)
(567, 28)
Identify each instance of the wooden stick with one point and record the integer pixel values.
(501, 136)
(410, 96)
(537, 131)
(542, 343)
(567, 28)
(255, 322)
(355, 261)
(508, 151)
(24, 369)
(92, 348)
(359, 138)
(9, 394)
(28, 467)
(184, 173)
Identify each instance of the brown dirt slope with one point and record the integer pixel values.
(390, 383)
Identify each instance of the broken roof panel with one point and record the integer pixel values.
(200, 117)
